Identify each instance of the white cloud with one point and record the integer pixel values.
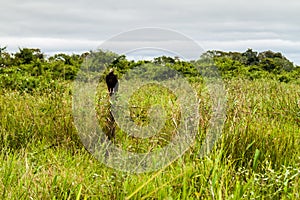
(51, 45)
(229, 25)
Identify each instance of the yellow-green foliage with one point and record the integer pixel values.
(257, 156)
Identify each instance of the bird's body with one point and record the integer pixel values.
(112, 82)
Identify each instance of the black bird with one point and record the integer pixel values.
(112, 82)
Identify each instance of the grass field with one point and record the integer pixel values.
(257, 157)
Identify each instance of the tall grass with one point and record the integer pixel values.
(257, 157)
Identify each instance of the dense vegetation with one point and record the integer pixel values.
(29, 69)
(256, 158)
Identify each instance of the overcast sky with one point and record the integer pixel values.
(79, 26)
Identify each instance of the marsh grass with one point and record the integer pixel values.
(257, 156)
(140, 105)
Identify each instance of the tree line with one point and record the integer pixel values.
(30, 69)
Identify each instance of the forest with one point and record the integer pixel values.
(30, 69)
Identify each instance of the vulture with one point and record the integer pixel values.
(112, 82)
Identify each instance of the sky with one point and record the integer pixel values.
(79, 26)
